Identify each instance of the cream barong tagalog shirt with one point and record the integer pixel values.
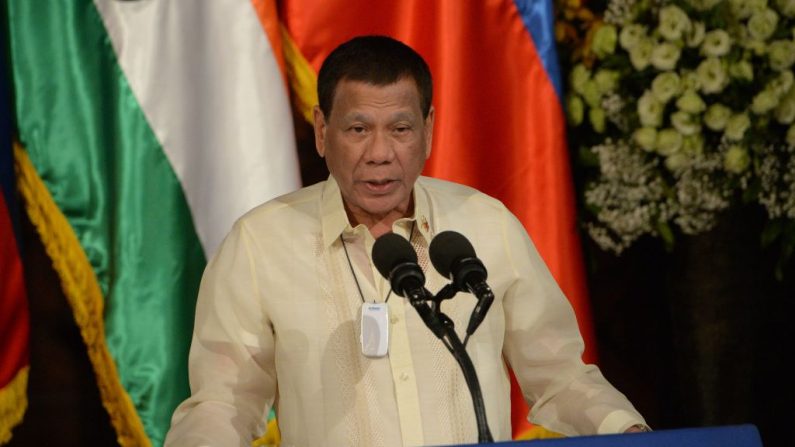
(277, 325)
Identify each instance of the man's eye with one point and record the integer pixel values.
(402, 129)
(358, 129)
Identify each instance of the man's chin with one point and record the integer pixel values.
(383, 208)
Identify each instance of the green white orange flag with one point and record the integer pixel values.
(146, 128)
(499, 121)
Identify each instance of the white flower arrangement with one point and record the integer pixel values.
(683, 109)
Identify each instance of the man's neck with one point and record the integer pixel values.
(380, 229)
(378, 225)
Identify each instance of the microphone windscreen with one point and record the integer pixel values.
(446, 248)
(390, 250)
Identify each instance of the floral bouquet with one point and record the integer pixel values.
(684, 108)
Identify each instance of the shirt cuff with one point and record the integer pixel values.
(618, 421)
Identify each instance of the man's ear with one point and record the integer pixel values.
(429, 132)
(320, 130)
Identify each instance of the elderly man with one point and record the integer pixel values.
(278, 314)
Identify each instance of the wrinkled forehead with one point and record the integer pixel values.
(352, 82)
(384, 84)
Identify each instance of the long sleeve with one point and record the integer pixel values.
(544, 347)
(232, 372)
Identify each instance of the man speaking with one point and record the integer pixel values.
(282, 304)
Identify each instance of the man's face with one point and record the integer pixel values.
(375, 144)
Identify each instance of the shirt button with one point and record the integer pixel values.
(394, 319)
(404, 376)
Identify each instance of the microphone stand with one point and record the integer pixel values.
(442, 326)
(470, 375)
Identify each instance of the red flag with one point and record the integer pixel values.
(13, 328)
(14, 323)
(499, 121)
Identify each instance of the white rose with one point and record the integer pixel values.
(762, 24)
(665, 86)
(669, 141)
(742, 9)
(736, 126)
(664, 56)
(677, 161)
(781, 54)
(640, 54)
(786, 7)
(691, 103)
(579, 74)
(757, 47)
(736, 159)
(695, 35)
(716, 43)
(693, 144)
(690, 81)
(604, 39)
(650, 110)
(673, 23)
(590, 93)
(645, 137)
(791, 135)
(606, 80)
(757, 5)
(685, 123)
(703, 5)
(742, 70)
(631, 35)
(712, 75)
(597, 118)
(716, 116)
(575, 109)
(764, 102)
(785, 111)
(782, 83)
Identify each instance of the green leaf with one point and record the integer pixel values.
(783, 260)
(750, 193)
(771, 232)
(593, 209)
(589, 157)
(666, 234)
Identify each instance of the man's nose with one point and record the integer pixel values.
(380, 149)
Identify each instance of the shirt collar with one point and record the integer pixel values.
(334, 220)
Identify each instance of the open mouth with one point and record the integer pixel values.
(380, 186)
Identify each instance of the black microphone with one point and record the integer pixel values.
(396, 260)
(454, 258)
